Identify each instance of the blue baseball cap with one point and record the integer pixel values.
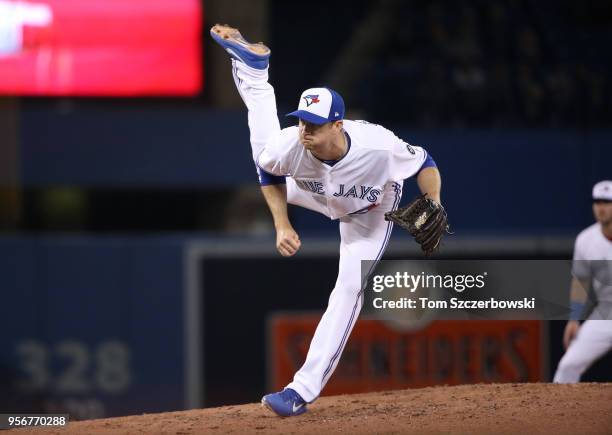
(320, 105)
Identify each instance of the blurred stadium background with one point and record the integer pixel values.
(138, 269)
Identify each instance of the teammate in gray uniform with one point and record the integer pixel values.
(592, 268)
(347, 170)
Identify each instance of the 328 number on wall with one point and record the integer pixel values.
(72, 367)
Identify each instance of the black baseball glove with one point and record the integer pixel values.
(424, 219)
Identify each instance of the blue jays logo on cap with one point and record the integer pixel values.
(320, 105)
(311, 99)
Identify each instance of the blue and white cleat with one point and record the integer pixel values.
(254, 55)
(286, 403)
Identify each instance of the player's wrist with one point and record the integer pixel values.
(282, 224)
(435, 197)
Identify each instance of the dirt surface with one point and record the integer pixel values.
(474, 409)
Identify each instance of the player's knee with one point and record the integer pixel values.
(345, 291)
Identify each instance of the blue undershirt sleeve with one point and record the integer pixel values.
(428, 163)
(266, 179)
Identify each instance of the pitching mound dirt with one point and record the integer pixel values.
(469, 409)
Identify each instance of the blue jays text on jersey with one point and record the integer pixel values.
(369, 193)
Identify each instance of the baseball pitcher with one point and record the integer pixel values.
(351, 171)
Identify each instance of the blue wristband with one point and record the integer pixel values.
(576, 309)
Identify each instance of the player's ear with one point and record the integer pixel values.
(338, 124)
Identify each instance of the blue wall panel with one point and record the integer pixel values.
(135, 148)
(93, 326)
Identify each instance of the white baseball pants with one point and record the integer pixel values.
(593, 340)
(363, 237)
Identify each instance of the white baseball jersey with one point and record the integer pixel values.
(591, 245)
(375, 157)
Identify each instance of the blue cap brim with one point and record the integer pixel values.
(310, 117)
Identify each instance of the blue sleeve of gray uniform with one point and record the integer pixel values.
(266, 179)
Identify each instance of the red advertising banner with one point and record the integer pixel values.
(100, 47)
(378, 357)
